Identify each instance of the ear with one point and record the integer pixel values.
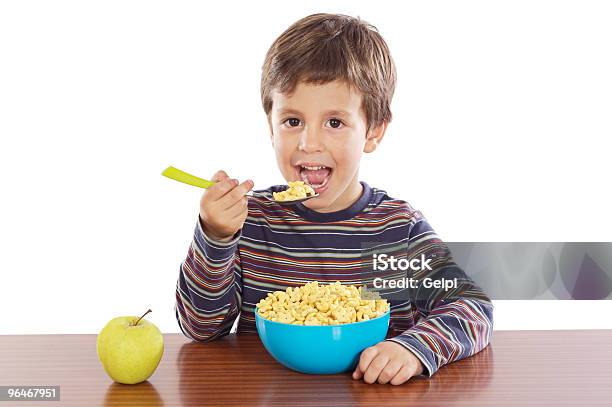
(374, 137)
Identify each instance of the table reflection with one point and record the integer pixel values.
(235, 372)
(141, 394)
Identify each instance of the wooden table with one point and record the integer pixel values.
(524, 368)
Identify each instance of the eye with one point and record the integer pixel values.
(334, 123)
(292, 122)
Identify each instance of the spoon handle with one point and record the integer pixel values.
(182, 176)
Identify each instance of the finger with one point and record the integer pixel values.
(239, 208)
(366, 358)
(233, 196)
(375, 368)
(219, 176)
(402, 376)
(238, 221)
(357, 374)
(220, 189)
(389, 372)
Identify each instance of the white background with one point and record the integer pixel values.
(501, 133)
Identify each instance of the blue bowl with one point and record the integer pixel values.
(325, 349)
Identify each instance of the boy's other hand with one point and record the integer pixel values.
(224, 207)
(387, 362)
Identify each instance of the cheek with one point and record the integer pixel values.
(283, 147)
(348, 154)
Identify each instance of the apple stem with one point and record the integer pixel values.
(142, 317)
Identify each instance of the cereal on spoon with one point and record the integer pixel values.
(296, 190)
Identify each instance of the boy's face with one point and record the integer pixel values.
(319, 133)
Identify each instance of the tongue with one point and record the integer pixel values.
(315, 177)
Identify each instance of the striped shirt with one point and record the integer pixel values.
(287, 246)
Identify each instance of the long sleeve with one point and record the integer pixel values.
(208, 290)
(453, 324)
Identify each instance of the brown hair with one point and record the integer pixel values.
(321, 48)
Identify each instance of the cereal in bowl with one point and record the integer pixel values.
(314, 304)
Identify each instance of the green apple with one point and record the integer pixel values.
(130, 349)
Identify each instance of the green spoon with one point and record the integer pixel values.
(186, 178)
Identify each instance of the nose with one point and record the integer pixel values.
(311, 141)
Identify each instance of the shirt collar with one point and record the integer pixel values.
(343, 214)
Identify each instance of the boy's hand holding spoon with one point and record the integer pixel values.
(223, 207)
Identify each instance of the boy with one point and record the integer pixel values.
(326, 88)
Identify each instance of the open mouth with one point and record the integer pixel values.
(315, 175)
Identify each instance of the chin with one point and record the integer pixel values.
(315, 205)
(320, 203)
